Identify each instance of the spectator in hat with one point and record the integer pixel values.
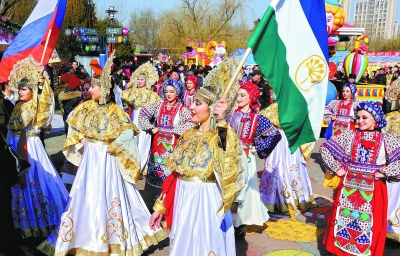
(72, 93)
(352, 78)
(264, 88)
(351, 83)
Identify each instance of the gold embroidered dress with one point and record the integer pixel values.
(38, 207)
(105, 214)
(209, 180)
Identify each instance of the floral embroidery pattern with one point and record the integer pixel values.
(65, 229)
(115, 224)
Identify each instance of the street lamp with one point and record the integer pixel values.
(111, 11)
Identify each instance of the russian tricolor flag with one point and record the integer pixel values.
(47, 17)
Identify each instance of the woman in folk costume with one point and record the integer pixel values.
(258, 135)
(37, 208)
(105, 214)
(138, 97)
(206, 165)
(191, 89)
(364, 159)
(341, 112)
(171, 120)
(285, 185)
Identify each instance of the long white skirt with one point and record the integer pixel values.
(252, 211)
(104, 213)
(143, 141)
(38, 207)
(285, 184)
(196, 229)
(393, 226)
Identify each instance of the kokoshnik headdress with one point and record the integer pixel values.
(27, 71)
(219, 78)
(148, 71)
(104, 80)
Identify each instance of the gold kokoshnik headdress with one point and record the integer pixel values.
(104, 80)
(25, 73)
(215, 84)
(148, 71)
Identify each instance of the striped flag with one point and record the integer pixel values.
(31, 39)
(290, 45)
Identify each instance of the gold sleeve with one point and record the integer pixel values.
(73, 147)
(44, 108)
(231, 168)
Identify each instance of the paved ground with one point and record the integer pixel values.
(257, 243)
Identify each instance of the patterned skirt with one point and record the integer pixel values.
(38, 208)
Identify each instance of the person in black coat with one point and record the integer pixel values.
(7, 103)
(264, 89)
(8, 177)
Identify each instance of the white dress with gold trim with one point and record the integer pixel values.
(106, 214)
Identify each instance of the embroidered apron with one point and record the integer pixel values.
(354, 218)
(343, 118)
(164, 140)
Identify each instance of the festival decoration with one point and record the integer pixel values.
(54, 58)
(219, 54)
(204, 53)
(334, 15)
(330, 93)
(357, 62)
(334, 21)
(6, 23)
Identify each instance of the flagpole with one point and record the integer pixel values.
(45, 46)
(236, 73)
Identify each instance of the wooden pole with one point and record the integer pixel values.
(45, 46)
(236, 73)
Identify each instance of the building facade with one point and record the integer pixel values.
(396, 29)
(376, 16)
(345, 4)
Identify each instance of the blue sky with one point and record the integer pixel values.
(254, 8)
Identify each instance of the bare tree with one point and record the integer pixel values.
(147, 28)
(204, 19)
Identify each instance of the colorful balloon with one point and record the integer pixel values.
(125, 31)
(330, 93)
(355, 63)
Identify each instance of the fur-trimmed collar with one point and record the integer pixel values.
(69, 95)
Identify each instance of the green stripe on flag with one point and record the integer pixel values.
(270, 54)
